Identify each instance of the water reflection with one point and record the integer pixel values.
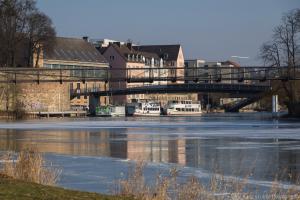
(261, 157)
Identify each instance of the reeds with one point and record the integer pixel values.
(30, 165)
(218, 187)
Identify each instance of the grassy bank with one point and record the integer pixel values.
(15, 189)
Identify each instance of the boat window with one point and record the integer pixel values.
(177, 109)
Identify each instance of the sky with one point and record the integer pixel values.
(213, 30)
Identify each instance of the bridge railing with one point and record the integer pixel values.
(232, 75)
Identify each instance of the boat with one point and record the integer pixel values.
(110, 111)
(103, 111)
(184, 108)
(117, 111)
(147, 109)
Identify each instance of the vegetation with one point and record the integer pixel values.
(11, 189)
(30, 166)
(217, 188)
(24, 31)
(284, 51)
(26, 176)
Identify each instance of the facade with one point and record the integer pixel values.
(192, 71)
(172, 56)
(201, 71)
(219, 72)
(67, 53)
(73, 53)
(168, 61)
(123, 57)
(173, 63)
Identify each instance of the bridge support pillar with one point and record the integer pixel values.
(94, 102)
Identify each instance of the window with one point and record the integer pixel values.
(112, 57)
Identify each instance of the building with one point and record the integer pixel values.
(167, 61)
(70, 54)
(201, 71)
(102, 43)
(194, 70)
(123, 57)
(173, 64)
(73, 53)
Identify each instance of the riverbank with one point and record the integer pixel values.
(15, 189)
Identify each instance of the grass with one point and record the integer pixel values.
(11, 189)
(27, 176)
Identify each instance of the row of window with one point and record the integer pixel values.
(151, 109)
(187, 109)
(77, 71)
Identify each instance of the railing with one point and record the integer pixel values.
(247, 75)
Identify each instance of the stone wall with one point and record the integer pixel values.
(48, 97)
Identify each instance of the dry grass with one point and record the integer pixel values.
(218, 188)
(30, 166)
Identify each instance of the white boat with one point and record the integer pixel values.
(147, 109)
(117, 111)
(185, 108)
(110, 111)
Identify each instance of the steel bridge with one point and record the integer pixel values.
(249, 82)
(233, 89)
(255, 75)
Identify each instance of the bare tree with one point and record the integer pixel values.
(22, 26)
(284, 50)
(41, 35)
(13, 20)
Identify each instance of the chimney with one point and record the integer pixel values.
(85, 38)
(129, 45)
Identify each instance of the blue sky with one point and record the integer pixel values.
(209, 29)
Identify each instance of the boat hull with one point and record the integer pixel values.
(184, 113)
(146, 114)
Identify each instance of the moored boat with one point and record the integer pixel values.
(148, 109)
(110, 111)
(184, 108)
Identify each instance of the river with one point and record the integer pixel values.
(96, 152)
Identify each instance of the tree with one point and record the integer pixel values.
(284, 50)
(41, 35)
(13, 21)
(22, 26)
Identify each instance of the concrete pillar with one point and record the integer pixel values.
(275, 104)
(94, 102)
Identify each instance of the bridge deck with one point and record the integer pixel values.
(178, 88)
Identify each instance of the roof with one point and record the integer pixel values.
(230, 62)
(167, 52)
(123, 50)
(73, 49)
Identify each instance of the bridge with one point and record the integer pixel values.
(233, 89)
(149, 75)
(249, 82)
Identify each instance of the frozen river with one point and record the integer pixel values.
(95, 152)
